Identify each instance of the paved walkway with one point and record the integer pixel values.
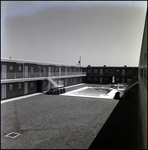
(53, 121)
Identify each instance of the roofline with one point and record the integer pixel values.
(37, 62)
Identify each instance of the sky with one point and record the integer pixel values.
(100, 32)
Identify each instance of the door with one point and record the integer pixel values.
(26, 71)
(26, 88)
(4, 72)
(3, 91)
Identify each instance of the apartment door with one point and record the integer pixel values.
(4, 72)
(26, 88)
(3, 91)
(26, 71)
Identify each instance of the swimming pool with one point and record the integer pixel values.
(95, 92)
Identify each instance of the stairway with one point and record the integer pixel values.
(50, 80)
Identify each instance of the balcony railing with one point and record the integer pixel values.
(38, 74)
(132, 81)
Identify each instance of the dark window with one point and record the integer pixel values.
(10, 87)
(95, 79)
(20, 68)
(11, 68)
(95, 70)
(32, 70)
(106, 71)
(32, 85)
(89, 70)
(117, 79)
(19, 86)
(123, 80)
(101, 71)
(88, 78)
(44, 70)
(106, 79)
(123, 72)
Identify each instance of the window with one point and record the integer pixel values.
(101, 71)
(44, 70)
(19, 86)
(123, 80)
(106, 70)
(95, 70)
(32, 70)
(32, 85)
(100, 79)
(20, 68)
(123, 72)
(117, 79)
(106, 79)
(95, 79)
(71, 79)
(89, 70)
(11, 68)
(88, 78)
(10, 87)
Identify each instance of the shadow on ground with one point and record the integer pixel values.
(120, 131)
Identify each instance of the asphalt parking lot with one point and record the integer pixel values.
(53, 121)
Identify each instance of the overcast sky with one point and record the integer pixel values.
(102, 33)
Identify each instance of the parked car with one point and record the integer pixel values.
(56, 90)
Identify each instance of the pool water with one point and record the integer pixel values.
(94, 92)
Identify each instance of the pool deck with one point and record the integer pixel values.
(78, 93)
(68, 122)
(53, 121)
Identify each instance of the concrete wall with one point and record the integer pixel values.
(142, 77)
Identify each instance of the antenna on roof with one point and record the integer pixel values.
(79, 62)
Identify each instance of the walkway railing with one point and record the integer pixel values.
(37, 74)
(132, 81)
